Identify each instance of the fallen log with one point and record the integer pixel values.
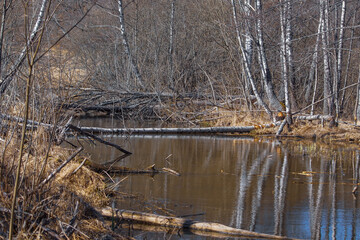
(201, 130)
(181, 223)
(314, 117)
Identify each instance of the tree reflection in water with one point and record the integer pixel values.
(296, 189)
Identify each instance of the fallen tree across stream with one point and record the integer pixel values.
(195, 130)
(182, 223)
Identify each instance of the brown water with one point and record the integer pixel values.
(301, 190)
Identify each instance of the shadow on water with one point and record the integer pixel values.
(297, 189)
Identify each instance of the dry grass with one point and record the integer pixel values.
(53, 205)
(343, 133)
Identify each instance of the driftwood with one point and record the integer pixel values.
(181, 223)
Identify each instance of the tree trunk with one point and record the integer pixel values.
(9, 76)
(127, 46)
(265, 72)
(328, 105)
(246, 63)
(171, 47)
(284, 58)
(338, 62)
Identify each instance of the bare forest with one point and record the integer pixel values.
(195, 62)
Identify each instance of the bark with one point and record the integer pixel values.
(283, 55)
(338, 62)
(125, 42)
(328, 94)
(175, 222)
(36, 29)
(249, 50)
(265, 71)
(246, 63)
(171, 46)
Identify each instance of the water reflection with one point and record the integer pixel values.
(301, 190)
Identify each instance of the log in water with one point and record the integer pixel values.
(183, 223)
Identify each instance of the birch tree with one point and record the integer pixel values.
(328, 93)
(171, 47)
(249, 49)
(265, 72)
(285, 53)
(246, 63)
(6, 80)
(126, 45)
(339, 56)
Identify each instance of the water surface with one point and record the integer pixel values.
(297, 189)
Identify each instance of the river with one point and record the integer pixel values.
(293, 188)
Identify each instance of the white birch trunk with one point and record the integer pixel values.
(36, 29)
(338, 62)
(289, 53)
(284, 58)
(247, 28)
(171, 47)
(265, 72)
(328, 98)
(127, 46)
(246, 63)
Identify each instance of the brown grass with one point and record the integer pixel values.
(46, 207)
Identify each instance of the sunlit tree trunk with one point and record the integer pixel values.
(289, 52)
(285, 51)
(265, 72)
(171, 47)
(328, 105)
(246, 63)
(249, 49)
(125, 42)
(338, 62)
